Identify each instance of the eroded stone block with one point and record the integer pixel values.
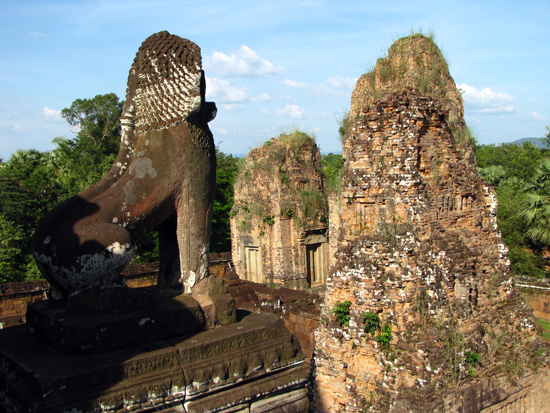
(294, 402)
(147, 315)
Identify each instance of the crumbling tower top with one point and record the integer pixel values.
(413, 62)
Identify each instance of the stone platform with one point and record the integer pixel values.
(96, 322)
(254, 365)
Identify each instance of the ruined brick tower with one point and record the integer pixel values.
(278, 224)
(421, 313)
(413, 62)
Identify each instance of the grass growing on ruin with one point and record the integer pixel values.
(294, 140)
(545, 325)
(462, 136)
(313, 205)
(344, 124)
(395, 68)
(283, 175)
(285, 152)
(454, 352)
(473, 361)
(389, 230)
(415, 61)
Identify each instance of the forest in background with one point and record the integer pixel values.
(33, 182)
(520, 175)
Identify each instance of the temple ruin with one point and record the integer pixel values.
(421, 312)
(279, 218)
(418, 311)
(97, 345)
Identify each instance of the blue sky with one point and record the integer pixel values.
(270, 66)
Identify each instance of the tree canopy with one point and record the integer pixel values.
(332, 168)
(226, 173)
(536, 210)
(84, 160)
(33, 182)
(520, 176)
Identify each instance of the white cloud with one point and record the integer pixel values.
(245, 63)
(230, 106)
(51, 114)
(219, 130)
(296, 85)
(487, 100)
(38, 35)
(536, 115)
(12, 127)
(221, 90)
(228, 95)
(264, 97)
(331, 85)
(290, 111)
(286, 96)
(339, 82)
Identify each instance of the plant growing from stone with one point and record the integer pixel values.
(371, 322)
(269, 220)
(284, 177)
(385, 337)
(341, 312)
(287, 211)
(454, 349)
(313, 205)
(473, 360)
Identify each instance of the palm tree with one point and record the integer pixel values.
(537, 205)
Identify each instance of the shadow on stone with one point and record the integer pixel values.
(252, 361)
(143, 315)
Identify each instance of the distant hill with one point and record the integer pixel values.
(538, 142)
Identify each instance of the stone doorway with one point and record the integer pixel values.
(253, 264)
(316, 265)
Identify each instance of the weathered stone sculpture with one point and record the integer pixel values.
(163, 177)
(153, 354)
